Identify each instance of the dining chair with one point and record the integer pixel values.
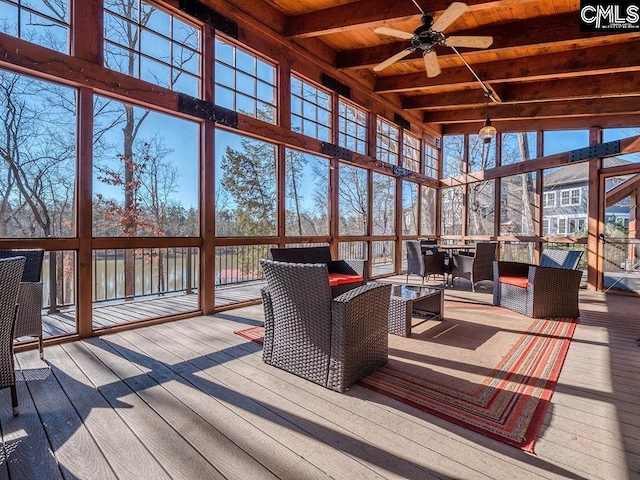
(424, 263)
(477, 267)
(29, 317)
(10, 273)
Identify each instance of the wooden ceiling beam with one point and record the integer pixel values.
(535, 124)
(369, 13)
(565, 108)
(549, 30)
(629, 144)
(622, 191)
(595, 86)
(594, 60)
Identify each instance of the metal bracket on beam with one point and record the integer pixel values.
(401, 171)
(336, 151)
(595, 151)
(196, 107)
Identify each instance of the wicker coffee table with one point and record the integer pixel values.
(408, 301)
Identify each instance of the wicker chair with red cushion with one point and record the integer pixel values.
(333, 342)
(547, 290)
(343, 274)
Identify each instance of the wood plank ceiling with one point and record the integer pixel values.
(545, 71)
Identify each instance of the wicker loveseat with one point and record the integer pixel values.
(331, 342)
(547, 290)
(343, 274)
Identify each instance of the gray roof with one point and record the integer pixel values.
(578, 173)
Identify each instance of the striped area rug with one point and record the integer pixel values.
(255, 334)
(509, 404)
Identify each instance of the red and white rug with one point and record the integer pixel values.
(482, 367)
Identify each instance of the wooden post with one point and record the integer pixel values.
(84, 213)
(595, 216)
(207, 267)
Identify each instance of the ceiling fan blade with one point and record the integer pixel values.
(394, 59)
(431, 64)
(392, 32)
(449, 16)
(472, 42)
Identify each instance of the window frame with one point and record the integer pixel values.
(411, 162)
(549, 199)
(572, 198)
(21, 9)
(140, 55)
(343, 135)
(257, 81)
(384, 129)
(317, 123)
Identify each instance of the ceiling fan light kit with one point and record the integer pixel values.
(427, 36)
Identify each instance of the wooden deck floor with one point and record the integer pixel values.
(191, 400)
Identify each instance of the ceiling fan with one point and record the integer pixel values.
(429, 34)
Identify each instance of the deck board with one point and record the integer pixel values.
(190, 399)
(74, 448)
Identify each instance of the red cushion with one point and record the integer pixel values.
(342, 278)
(521, 282)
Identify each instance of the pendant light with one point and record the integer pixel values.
(488, 131)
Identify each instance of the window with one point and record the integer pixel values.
(428, 219)
(152, 191)
(145, 42)
(611, 134)
(353, 200)
(430, 161)
(570, 197)
(564, 140)
(562, 226)
(549, 199)
(451, 210)
(452, 155)
(481, 156)
(387, 142)
(246, 195)
(352, 127)
(481, 208)
(576, 225)
(306, 194)
(545, 226)
(411, 152)
(310, 110)
(44, 23)
(383, 204)
(38, 151)
(517, 204)
(518, 147)
(245, 83)
(409, 208)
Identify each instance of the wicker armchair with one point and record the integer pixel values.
(10, 273)
(424, 263)
(547, 290)
(29, 318)
(331, 342)
(343, 274)
(477, 267)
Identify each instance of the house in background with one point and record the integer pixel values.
(565, 201)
